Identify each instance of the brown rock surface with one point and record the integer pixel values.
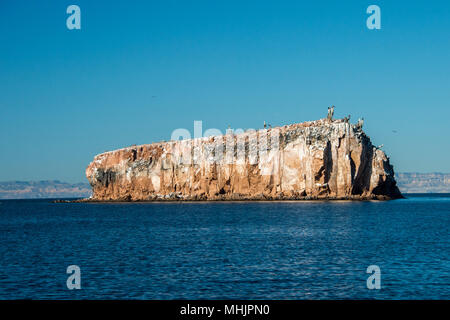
(320, 159)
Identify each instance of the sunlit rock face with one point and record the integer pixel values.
(323, 159)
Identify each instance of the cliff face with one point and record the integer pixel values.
(313, 160)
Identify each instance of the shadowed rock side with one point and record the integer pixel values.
(323, 159)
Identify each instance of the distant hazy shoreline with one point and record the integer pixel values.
(413, 182)
(408, 182)
(43, 189)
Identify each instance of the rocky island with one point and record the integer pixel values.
(323, 159)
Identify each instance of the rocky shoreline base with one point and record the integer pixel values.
(238, 199)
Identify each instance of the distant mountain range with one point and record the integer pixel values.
(43, 189)
(408, 182)
(413, 182)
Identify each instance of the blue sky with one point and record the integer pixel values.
(137, 70)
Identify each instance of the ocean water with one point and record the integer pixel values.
(226, 250)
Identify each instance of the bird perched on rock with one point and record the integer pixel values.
(330, 113)
(360, 123)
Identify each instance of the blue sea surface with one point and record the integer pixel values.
(226, 250)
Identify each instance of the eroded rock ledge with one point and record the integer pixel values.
(323, 159)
